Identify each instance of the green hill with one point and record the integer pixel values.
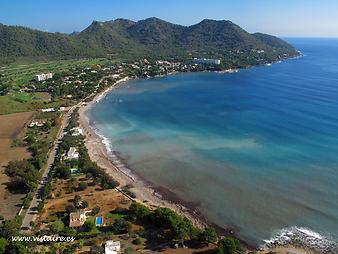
(149, 37)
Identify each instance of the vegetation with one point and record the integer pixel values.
(149, 37)
(228, 245)
(25, 174)
(57, 227)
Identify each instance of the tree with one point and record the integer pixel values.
(82, 204)
(71, 208)
(9, 228)
(138, 211)
(80, 244)
(30, 180)
(95, 210)
(67, 231)
(3, 244)
(137, 241)
(16, 248)
(40, 206)
(208, 235)
(62, 171)
(228, 245)
(23, 174)
(27, 200)
(121, 226)
(182, 230)
(71, 184)
(82, 186)
(89, 225)
(58, 248)
(57, 227)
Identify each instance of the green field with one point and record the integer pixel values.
(21, 102)
(20, 74)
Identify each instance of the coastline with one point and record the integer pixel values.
(146, 193)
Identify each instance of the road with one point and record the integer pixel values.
(32, 211)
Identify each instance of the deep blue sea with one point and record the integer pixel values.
(256, 150)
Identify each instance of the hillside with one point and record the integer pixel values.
(149, 37)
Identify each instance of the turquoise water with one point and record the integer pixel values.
(256, 150)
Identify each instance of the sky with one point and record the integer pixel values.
(291, 18)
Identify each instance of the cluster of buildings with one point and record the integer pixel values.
(207, 61)
(43, 76)
(37, 123)
(76, 131)
(112, 247)
(77, 219)
(72, 154)
(45, 110)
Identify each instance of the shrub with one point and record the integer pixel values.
(57, 227)
(129, 250)
(27, 200)
(228, 245)
(82, 186)
(89, 225)
(95, 210)
(121, 226)
(137, 241)
(138, 211)
(209, 235)
(71, 209)
(40, 206)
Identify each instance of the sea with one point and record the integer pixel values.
(255, 150)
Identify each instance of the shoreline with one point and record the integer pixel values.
(146, 192)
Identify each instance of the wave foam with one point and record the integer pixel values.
(303, 237)
(112, 153)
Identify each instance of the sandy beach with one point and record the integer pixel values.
(288, 250)
(145, 193)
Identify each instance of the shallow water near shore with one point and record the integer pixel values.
(256, 150)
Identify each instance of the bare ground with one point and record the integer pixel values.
(11, 126)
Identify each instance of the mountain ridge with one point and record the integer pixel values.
(151, 36)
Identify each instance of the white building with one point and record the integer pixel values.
(37, 123)
(206, 61)
(48, 110)
(43, 76)
(77, 219)
(77, 131)
(72, 154)
(112, 247)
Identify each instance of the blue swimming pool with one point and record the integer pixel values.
(99, 221)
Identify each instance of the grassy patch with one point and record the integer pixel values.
(20, 74)
(22, 97)
(20, 102)
(115, 216)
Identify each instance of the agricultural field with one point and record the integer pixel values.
(14, 102)
(11, 127)
(20, 74)
(16, 76)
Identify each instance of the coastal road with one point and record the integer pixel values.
(32, 211)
